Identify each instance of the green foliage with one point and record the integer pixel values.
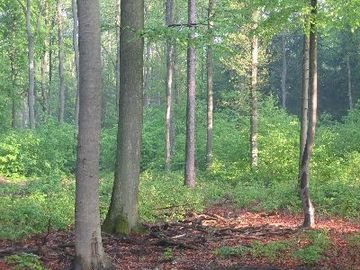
(257, 249)
(46, 151)
(313, 252)
(24, 261)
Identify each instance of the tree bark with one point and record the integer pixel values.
(348, 64)
(117, 25)
(170, 65)
(190, 173)
(61, 62)
(308, 208)
(305, 98)
(253, 97)
(31, 67)
(210, 86)
(284, 71)
(122, 217)
(76, 60)
(88, 242)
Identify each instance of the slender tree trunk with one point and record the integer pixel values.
(305, 98)
(76, 59)
(349, 82)
(117, 25)
(31, 67)
(88, 242)
(170, 63)
(210, 96)
(190, 170)
(253, 97)
(51, 65)
(61, 62)
(147, 75)
(308, 208)
(284, 71)
(122, 217)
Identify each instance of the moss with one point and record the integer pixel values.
(122, 226)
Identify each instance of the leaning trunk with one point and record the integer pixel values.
(122, 217)
(309, 219)
(190, 174)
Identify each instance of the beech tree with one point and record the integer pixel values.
(88, 242)
(210, 86)
(308, 208)
(122, 216)
(170, 68)
(190, 173)
(253, 95)
(61, 61)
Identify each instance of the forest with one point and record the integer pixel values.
(179, 134)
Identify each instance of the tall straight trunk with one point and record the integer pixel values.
(210, 86)
(51, 41)
(76, 59)
(170, 65)
(253, 96)
(284, 71)
(61, 62)
(31, 67)
(190, 173)
(147, 75)
(308, 209)
(349, 75)
(117, 25)
(88, 241)
(122, 217)
(13, 94)
(305, 97)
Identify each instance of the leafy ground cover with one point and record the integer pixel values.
(220, 237)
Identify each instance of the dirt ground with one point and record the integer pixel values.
(193, 243)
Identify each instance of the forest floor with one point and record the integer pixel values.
(221, 237)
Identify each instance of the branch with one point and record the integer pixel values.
(22, 5)
(186, 24)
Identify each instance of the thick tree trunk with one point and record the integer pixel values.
(170, 65)
(253, 97)
(31, 67)
(88, 242)
(61, 62)
(284, 71)
(190, 171)
(117, 25)
(308, 208)
(348, 64)
(122, 217)
(210, 85)
(76, 59)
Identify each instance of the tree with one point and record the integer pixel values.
(253, 95)
(31, 64)
(170, 68)
(122, 216)
(190, 173)
(88, 242)
(284, 71)
(308, 208)
(61, 62)
(76, 59)
(350, 96)
(210, 86)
